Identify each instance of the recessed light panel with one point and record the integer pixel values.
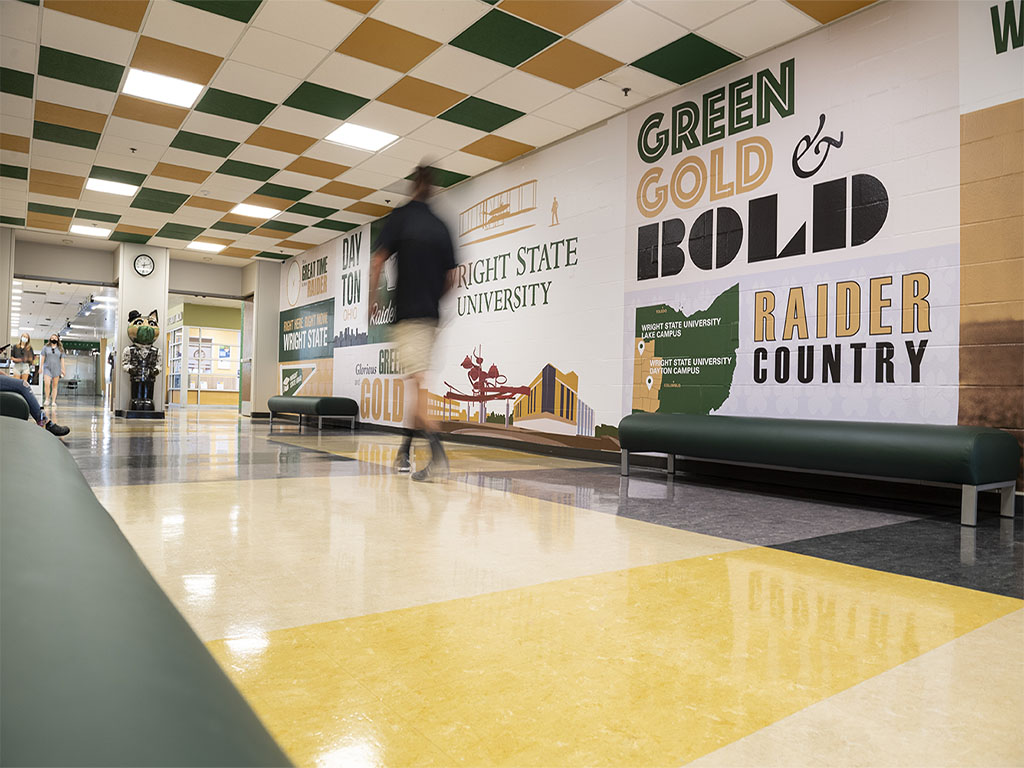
(81, 229)
(360, 137)
(254, 211)
(166, 90)
(208, 247)
(111, 187)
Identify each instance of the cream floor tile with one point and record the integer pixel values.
(286, 552)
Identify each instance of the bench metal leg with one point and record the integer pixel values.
(319, 423)
(969, 505)
(271, 429)
(671, 465)
(1006, 500)
(625, 463)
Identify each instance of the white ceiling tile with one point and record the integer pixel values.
(230, 188)
(522, 91)
(351, 75)
(247, 153)
(15, 186)
(389, 166)
(301, 122)
(18, 54)
(192, 159)
(218, 127)
(316, 235)
(385, 117)
(441, 133)
(317, 22)
(460, 70)
(56, 165)
(10, 157)
(277, 53)
(319, 198)
(140, 217)
(368, 178)
(236, 77)
(200, 217)
(353, 218)
(383, 197)
(530, 129)
(173, 185)
(439, 20)
(627, 32)
(299, 180)
(118, 145)
(471, 165)
(62, 152)
(577, 111)
(132, 163)
(692, 14)
(336, 153)
(415, 151)
(63, 202)
(296, 218)
(15, 108)
(20, 21)
(193, 28)
(86, 37)
(164, 242)
(72, 95)
(134, 130)
(758, 26)
(640, 83)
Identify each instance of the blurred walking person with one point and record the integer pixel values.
(53, 369)
(22, 357)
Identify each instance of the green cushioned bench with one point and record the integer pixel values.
(331, 407)
(98, 667)
(12, 404)
(974, 458)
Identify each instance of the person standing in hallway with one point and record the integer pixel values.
(53, 369)
(11, 384)
(422, 246)
(22, 357)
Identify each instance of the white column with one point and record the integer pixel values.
(143, 293)
(264, 279)
(6, 279)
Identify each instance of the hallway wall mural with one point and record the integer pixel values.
(781, 238)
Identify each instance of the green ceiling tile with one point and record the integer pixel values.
(13, 220)
(246, 170)
(312, 210)
(111, 218)
(79, 69)
(443, 178)
(18, 83)
(686, 59)
(206, 145)
(51, 210)
(158, 200)
(480, 114)
(113, 174)
(228, 226)
(60, 134)
(234, 106)
(20, 172)
(239, 10)
(339, 226)
(324, 101)
(180, 232)
(269, 255)
(502, 37)
(284, 226)
(30, 2)
(285, 193)
(128, 237)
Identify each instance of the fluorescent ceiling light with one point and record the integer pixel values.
(254, 211)
(113, 187)
(208, 247)
(26, 328)
(82, 229)
(82, 327)
(352, 135)
(111, 299)
(15, 290)
(167, 90)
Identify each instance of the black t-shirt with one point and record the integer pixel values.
(423, 247)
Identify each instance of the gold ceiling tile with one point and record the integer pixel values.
(213, 240)
(58, 114)
(234, 218)
(359, 6)
(313, 167)
(282, 141)
(421, 96)
(198, 201)
(181, 173)
(173, 60)
(267, 232)
(14, 143)
(134, 230)
(570, 64)
(497, 148)
(125, 14)
(296, 245)
(239, 253)
(55, 184)
(829, 10)
(369, 209)
(561, 16)
(388, 46)
(266, 201)
(47, 221)
(343, 189)
(131, 108)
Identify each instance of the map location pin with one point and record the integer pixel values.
(641, 346)
(650, 382)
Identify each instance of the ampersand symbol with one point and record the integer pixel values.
(807, 143)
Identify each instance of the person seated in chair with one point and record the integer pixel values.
(11, 384)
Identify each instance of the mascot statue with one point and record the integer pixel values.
(141, 359)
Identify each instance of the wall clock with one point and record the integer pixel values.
(144, 264)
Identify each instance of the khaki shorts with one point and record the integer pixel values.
(415, 342)
(17, 369)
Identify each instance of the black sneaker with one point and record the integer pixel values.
(436, 469)
(402, 463)
(56, 429)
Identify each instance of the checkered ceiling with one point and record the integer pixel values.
(469, 84)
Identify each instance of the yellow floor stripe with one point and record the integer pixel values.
(654, 665)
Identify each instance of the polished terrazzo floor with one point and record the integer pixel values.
(544, 612)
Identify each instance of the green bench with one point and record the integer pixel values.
(98, 667)
(973, 458)
(331, 407)
(12, 404)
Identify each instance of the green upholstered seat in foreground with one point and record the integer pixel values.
(12, 404)
(333, 407)
(968, 456)
(99, 668)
